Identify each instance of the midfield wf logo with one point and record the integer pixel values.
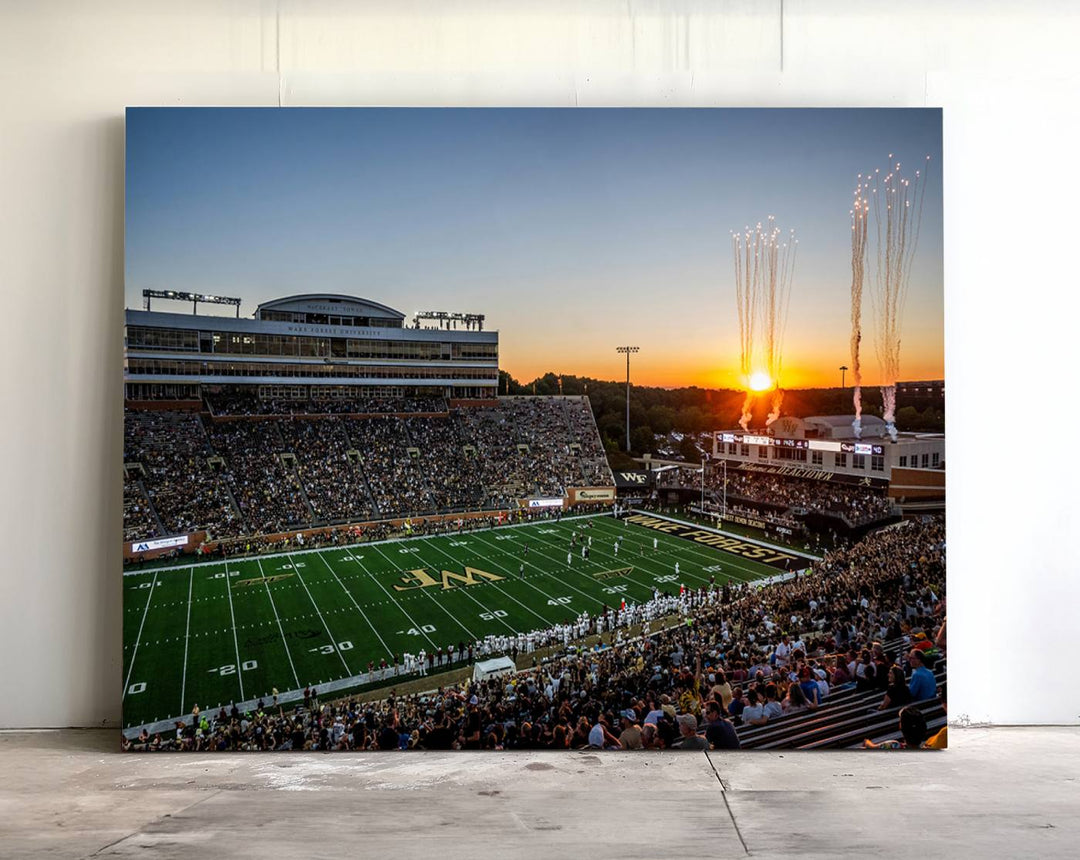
(420, 578)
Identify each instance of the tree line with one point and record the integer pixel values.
(659, 411)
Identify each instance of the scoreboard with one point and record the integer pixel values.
(804, 444)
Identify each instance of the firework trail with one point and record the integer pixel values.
(764, 266)
(859, 211)
(895, 203)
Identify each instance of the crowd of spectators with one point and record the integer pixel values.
(857, 505)
(334, 482)
(296, 471)
(139, 519)
(175, 454)
(450, 468)
(533, 446)
(268, 491)
(248, 403)
(738, 656)
(393, 471)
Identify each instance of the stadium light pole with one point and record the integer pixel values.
(628, 350)
(843, 370)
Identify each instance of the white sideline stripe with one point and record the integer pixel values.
(236, 643)
(449, 614)
(273, 606)
(354, 603)
(187, 636)
(127, 680)
(333, 641)
(418, 627)
(766, 544)
(216, 562)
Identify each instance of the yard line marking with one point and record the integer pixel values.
(649, 566)
(482, 606)
(547, 575)
(273, 606)
(677, 544)
(648, 588)
(236, 644)
(333, 641)
(399, 606)
(547, 621)
(127, 680)
(349, 593)
(187, 636)
(451, 615)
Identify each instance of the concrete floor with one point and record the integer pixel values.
(1003, 792)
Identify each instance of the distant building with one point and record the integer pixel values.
(921, 394)
(824, 447)
(318, 346)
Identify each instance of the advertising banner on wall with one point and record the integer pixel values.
(542, 503)
(591, 494)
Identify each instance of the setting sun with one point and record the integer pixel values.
(760, 381)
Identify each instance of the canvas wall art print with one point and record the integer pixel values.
(533, 429)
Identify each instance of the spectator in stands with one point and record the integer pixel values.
(630, 737)
(912, 730)
(940, 740)
(689, 739)
(898, 693)
(923, 684)
(754, 712)
(719, 731)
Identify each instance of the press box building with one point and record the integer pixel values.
(317, 346)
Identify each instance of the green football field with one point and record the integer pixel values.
(217, 633)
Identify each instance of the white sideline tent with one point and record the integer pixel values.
(493, 668)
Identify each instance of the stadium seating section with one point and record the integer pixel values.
(251, 467)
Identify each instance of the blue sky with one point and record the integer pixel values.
(572, 230)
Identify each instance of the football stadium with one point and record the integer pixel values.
(337, 535)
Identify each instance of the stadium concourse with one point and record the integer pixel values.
(851, 652)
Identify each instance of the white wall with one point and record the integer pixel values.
(1004, 72)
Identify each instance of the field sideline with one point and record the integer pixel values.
(222, 632)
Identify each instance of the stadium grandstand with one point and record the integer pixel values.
(804, 478)
(328, 410)
(338, 536)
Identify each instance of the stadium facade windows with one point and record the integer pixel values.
(840, 461)
(817, 458)
(877, 463)
(327, 340)
(858, 461)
